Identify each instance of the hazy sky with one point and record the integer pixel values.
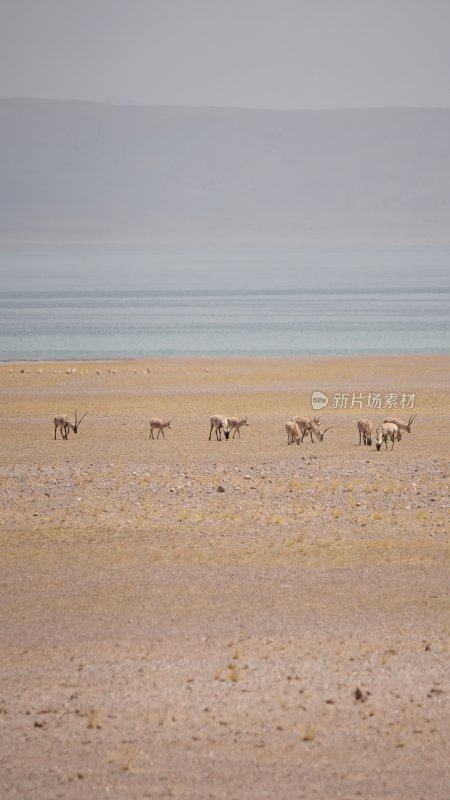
(245, 53)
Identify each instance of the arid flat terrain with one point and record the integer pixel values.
(193, 619)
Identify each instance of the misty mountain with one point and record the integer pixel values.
(87, 171)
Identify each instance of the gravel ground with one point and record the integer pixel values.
(199, 619)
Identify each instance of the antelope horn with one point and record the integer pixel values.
(327, 429)
(81, 420)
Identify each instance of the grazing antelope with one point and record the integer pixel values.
(401, 425)
(320, 434)
(388, 430)
(65, 425)
(293, 432)
(365, 431)
(305, 424)
(219, 424)
(237, 423)
(157, 423)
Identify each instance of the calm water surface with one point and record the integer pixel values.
(122, 305)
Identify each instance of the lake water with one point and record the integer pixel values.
(88, 303)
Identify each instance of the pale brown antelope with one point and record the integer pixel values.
(293, 432)
(66, 425)
(157, 424)
(388, 430)
(320, 434)
(305, 424)
(365, 431)
(219, 424)
(401, 425)
(236, 423)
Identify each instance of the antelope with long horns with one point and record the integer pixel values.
(320, 434)
(401, 425)
(66, 425)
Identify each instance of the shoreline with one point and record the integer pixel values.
(230, 357)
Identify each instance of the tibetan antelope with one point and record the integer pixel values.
(320, 434)
(388, 430)
(65, 425)
(293, 432)
(237, 423)
(219, 424)
(159, 425)
(401, 425)
(306, 424)
(365, 431)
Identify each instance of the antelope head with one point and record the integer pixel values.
(321, 434)
(379, 438)
(78, 422)
(410, 422)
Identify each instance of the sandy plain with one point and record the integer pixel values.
(287, 637)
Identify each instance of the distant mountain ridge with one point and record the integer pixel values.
(83, 171)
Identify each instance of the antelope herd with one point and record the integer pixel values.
(296, 428)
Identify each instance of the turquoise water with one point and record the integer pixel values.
(114, 325)
(329, 302)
